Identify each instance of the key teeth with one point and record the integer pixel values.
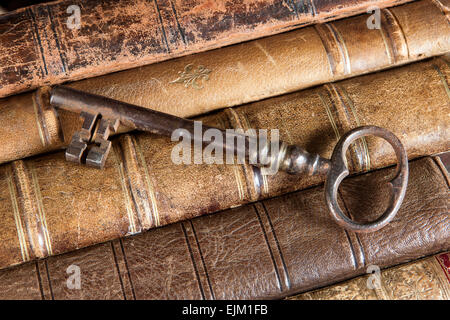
(76, 149)
(79, 143)
(97, 156)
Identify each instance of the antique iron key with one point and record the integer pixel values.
(106, 114)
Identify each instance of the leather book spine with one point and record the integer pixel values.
(49, 206)
(69, 40)
(271, 249)
(425, 279)
(239, 74)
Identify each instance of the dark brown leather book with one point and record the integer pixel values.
(239, 74)
(49, 206)
(69, 40)
(270, 249)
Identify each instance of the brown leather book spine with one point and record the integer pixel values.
(239, 74)
(426, 279)
(50, 206)
(69, 40)
(271, 249)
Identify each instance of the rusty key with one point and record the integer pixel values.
(106, 114)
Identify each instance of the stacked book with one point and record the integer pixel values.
(146, 227)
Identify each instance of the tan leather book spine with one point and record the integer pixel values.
(50, 206)
(69, 40)
(271, 249)
(239, 74)
(426, 279)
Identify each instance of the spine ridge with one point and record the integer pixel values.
(393, 37)
(443, 5)
(250, 182)
(31, 212)
(138, 182)
(330, 44)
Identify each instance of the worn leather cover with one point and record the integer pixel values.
(39, 48)
(425, 279)
(49, 206)
(270, 249)
(239, 74)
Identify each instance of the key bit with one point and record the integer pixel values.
(77, 148)
(97, 155)
(80, 149)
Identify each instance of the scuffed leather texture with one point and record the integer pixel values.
(49, 206)
(425, 279)
(239, 74)
(270, 249)
(39, 48)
